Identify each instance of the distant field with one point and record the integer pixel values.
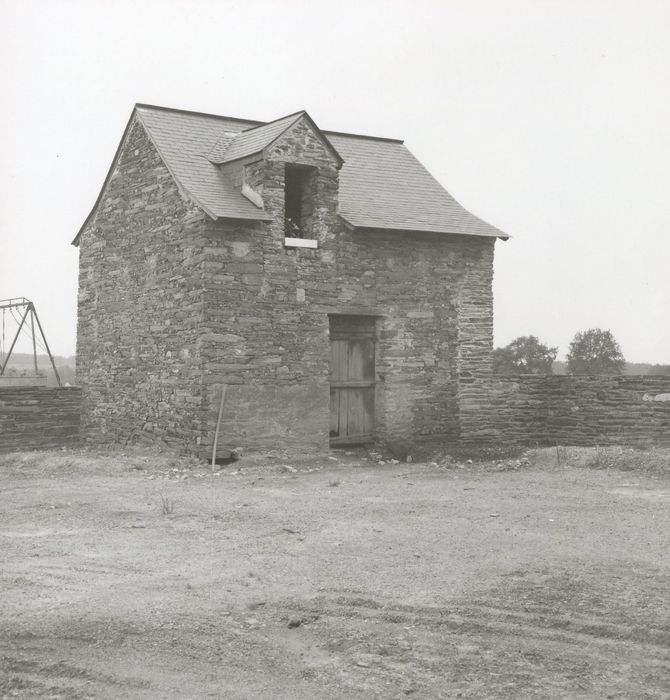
(631, 368)
(20, 363)
(137, 576)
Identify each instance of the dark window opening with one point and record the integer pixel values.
(298, 200)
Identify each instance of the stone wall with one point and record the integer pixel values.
(574, 410)
(140, 305)
(37, 417)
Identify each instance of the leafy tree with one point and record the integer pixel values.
(595, 352)
(524, 355)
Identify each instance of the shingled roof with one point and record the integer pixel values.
(382, 185)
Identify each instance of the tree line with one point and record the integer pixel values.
(595, 351)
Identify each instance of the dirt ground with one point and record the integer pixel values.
(136, 576)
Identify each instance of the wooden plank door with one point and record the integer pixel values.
(352, 379)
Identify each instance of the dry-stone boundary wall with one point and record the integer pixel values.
(37, 418)
(573, 410)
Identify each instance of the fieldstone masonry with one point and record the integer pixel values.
(34, 417)
(573, 410)
(174, 305)
(141, 305)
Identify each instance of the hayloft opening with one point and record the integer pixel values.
(298, 181)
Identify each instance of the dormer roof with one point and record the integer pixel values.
(256, 139)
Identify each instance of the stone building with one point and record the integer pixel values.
(326, 280)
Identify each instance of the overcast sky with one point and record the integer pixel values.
(550, 120)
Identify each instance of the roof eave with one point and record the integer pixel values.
(262, 218)
(400, 229)
(237, 158)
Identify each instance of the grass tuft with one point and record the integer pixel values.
(167, 505)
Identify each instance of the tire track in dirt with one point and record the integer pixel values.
(578, 633)
(484, 618)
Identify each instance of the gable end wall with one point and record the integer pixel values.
(140, 305)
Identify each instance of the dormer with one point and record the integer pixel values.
(289, 169)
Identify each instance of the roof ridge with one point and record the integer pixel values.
(363, 136)
(255, 122)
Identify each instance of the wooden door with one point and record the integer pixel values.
(352, 379)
